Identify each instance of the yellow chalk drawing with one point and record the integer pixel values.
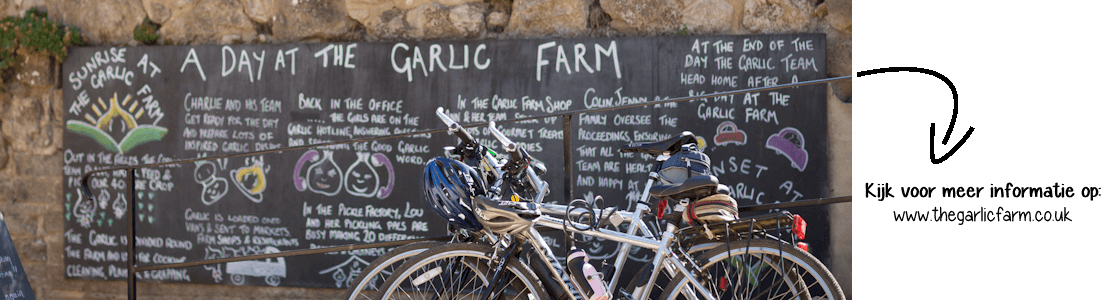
(98, 127)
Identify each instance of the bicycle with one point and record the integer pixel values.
(471, 153)
(758, 265)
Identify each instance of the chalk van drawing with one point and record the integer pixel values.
(790, 143)
(99, 128)
(213, 188)
(272, 269)
(251, 179)
(729, 134)
(354, 266)
(359, 174)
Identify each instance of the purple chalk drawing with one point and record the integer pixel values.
(790, 143)
(298, 181)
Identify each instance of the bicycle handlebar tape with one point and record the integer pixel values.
(585, 277)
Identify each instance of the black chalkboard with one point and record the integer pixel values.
(130, 106)
(13, 278)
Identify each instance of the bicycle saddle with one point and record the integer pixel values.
(667, 146)
(505, 217)
(693, 188)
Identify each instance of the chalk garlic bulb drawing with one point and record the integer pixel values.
(360, 173)
(128, 114)
(214, 187)
(325, 177)
(250, 179)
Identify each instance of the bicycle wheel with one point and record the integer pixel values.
(379, 270)
(460, 271)
(763, 269)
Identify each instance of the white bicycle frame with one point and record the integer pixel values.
(660, 245)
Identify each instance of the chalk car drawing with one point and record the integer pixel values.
(729, 134)
(272, 269)
(790, 143)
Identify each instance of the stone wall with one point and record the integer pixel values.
(31, 100)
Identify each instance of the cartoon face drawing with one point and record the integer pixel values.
(358, 184)
(325, 177)
(789, 142)
(213, 190)
(204, 171)
(361, 179)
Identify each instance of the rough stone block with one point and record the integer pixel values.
(314, 20)
(105, 22)
(206, 22)
(28, 122)
(779, 16)
(537, 18)
(707, 16)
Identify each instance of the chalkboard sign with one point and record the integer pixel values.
(13, 278)
(131, 106)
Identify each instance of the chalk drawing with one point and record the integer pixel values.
(299, 179)
(84, 210)
(213, 253)
(102, 199)
(359, 174)
(213, 188)
(354, 266)
(272, 269)
(325, 177)
(790, 143)
(251, 179)
(128, 113)
(729, 134)
(119, 207)
(363, 178)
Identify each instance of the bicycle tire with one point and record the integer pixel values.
(379, 270)
(468, 269)
(799, 274)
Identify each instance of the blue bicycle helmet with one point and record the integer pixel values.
(449, 188)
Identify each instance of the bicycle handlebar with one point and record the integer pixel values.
(454, 127)
(520, 158)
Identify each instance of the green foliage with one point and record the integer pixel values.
(35, 34)
(684, 31)
(146, 32)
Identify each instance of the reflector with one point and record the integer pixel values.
(799, 227)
